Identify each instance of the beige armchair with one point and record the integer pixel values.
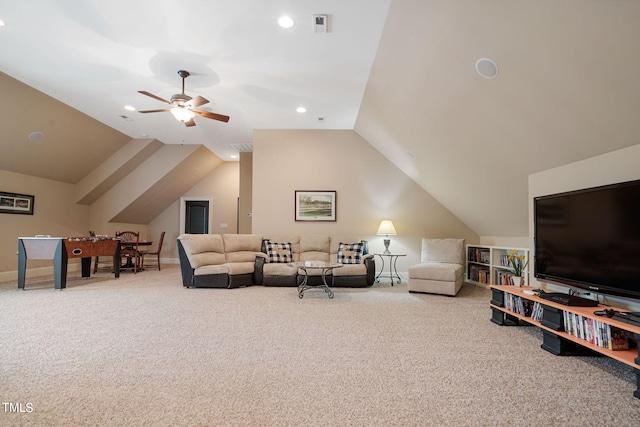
(441, 268)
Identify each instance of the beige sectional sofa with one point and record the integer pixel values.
(317, 248)
(234, 260)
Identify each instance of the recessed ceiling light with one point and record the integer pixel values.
(233, 156)
(301, 110)
(130, 108)
(1, 23)
(286, 22)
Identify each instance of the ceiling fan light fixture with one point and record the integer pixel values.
(182, 114)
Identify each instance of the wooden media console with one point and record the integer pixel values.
(566, 330)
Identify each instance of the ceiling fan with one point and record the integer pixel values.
(184, 107)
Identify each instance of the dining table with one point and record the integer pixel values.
(129, 245)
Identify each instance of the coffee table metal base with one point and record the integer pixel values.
(305, 283)
(318, 265)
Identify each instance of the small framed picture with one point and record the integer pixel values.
(315, 205)
(16, 203)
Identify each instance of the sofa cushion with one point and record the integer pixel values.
(240, 267)
(350, 253)
(241, 247)
(447, 272)
(211, 269)
(279, 252)
(350, 270)
(443, 250)
(203, 249)
(278, 269)
(314, 243)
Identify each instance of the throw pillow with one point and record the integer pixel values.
(350, 253)
(279, 252)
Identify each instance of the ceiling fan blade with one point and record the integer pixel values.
(152, 111)
(196, 102)
(190, 123)
(144, 92)
(213, 116)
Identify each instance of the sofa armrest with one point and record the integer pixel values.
(185, 266)
(370, 263)
(258, 271)
(366, 257)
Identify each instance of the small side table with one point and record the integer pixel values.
(393, 271)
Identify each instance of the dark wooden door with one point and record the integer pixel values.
(196, 217)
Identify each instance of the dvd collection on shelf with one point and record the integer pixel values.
(536, 312)
(596, 332)
(521, 306)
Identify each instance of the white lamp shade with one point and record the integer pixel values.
(386, 228)
(182, 114)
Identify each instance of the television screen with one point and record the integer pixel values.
(590, 239)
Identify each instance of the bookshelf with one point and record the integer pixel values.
(488, 264)
(566, 330)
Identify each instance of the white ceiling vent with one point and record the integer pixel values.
(242, 148)
(320, 23)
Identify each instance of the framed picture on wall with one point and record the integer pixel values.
(315, 205)
(16, 203)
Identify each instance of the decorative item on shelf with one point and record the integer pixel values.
(386, 229)
(518, 263)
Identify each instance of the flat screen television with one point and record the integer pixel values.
(590, 239)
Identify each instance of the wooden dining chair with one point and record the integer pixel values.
(155, 253)
(129, 250)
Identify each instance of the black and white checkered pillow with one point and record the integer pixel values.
(350, 253)
(279, 252)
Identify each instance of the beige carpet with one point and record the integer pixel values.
(144, 351)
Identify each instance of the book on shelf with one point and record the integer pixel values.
(478, 273)
(481, 255)
(504, 261)
(504, 277)
(594, 331)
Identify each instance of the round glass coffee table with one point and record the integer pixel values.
(320, 265)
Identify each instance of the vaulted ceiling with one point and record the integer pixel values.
(400, 72)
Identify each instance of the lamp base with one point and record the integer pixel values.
(386, 246)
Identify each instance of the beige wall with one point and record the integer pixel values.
(617, 166)
(369, 189)
(55, 213)
(221, 187)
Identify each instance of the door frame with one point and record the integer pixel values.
(183, 210)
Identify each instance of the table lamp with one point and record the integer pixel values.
(386, 229)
